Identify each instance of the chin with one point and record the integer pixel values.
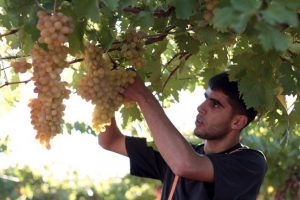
(198, 133)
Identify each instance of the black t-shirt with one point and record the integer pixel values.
(237, 174)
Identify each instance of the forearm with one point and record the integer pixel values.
(112, 139)
(172, 145)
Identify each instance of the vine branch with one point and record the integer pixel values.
(13, 31)
(12, 57)
(157, 13)
(185, 56)
(15, 82)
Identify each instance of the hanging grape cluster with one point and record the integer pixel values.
(210, 6)
(21, 66)
(47, 109)
(102, 85)
(54, 28)
(133, 48)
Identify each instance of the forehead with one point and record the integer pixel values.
(218, 95)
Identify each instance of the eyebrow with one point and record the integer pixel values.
(213, 99)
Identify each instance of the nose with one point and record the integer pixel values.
(201, 108)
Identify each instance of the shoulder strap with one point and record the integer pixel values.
(173, 187)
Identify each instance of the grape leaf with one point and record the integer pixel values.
(106, 36)
(295, 114)
(270, 37)
(277, 13)
(130, 114)
(88, 9)
(295, 48)
(145, 19)
(228, 18)
(257, 93)
(79, 126)
(246, 6)
(186, 43)
(15, 78)
(111, 4)
(125, 3)
(286, 78)
(183, 9)
(76, 38)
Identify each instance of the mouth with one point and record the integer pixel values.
(199, 121)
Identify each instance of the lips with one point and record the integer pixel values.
(199, 121)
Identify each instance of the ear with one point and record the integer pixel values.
(239, 122)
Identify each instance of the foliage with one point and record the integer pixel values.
(24, 183)
(256, 41)
(282, 180)
(283, 177)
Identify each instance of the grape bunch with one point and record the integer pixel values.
(210, 6)
(47, 109)
(21, 66)
(102, 85)
(54, 28)
(133, 48)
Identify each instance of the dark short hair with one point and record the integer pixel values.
(222, 83)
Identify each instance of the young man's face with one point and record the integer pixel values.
(214, 116)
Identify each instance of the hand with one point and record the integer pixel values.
(137, 91)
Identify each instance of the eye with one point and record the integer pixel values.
(215, 104)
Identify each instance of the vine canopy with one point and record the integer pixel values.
(186, 42)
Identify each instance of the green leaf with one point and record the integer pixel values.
(106, 36)
(218, 58)
(295, 48)
(130, 114)
(160, 24)
(83, 128)
(295, 114)
(257, 94)
(291, 4)
(228, 18)
(15, 78)
(277, 13)
(76, 38)
(246, 6)
(31, 34)
(286, 78)
(183, 9)
(125, 3)
(187, 43)
(88, 9)
(145, 19)
(77, 75)
(111, 4)
(69, 127)
(270, 37)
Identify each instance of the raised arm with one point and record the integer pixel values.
(176, 151)
(112, 139)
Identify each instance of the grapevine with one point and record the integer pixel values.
(132, 48)
(47, 109)
(102, 85)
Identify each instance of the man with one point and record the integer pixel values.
(219, 169)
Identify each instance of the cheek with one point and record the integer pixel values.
(219, 122)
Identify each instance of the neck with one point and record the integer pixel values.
(217, 146)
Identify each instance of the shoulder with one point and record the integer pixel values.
(252, 158)
(244, 156)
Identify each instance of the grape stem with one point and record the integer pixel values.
(54, 7)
